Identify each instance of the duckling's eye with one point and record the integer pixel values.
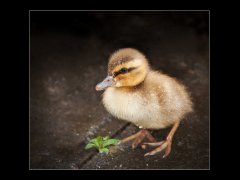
(124, 70)
(121, 71)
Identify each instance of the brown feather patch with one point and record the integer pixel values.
(118, 61)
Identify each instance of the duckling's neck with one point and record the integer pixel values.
(141, 74)
(130, 88)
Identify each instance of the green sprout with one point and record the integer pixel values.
(101, 143)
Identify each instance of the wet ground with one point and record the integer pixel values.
(68, 57)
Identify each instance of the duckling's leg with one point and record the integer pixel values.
(164, 144)
(138, 137)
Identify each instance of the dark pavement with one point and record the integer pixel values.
(68, 57)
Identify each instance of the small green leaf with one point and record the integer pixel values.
(110, 142)
(96, 141)
(90, 145)
(106, 138)
(104, 150)
(93, 140)
(99, 138)
(101, 143)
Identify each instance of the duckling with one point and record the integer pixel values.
(149, 99)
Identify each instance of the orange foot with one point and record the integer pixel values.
(138, 138)
(161, 146)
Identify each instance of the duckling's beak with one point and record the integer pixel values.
(107, 82)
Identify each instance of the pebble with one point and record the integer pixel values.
(73, 166)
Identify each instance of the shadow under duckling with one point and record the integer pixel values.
(149, 99)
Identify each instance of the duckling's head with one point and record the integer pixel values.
(126, 68)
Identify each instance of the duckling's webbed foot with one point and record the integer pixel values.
(138, 138)
(167, 144)
(161, 146)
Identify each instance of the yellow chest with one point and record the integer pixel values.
(133, 107)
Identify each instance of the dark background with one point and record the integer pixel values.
(68, 57)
